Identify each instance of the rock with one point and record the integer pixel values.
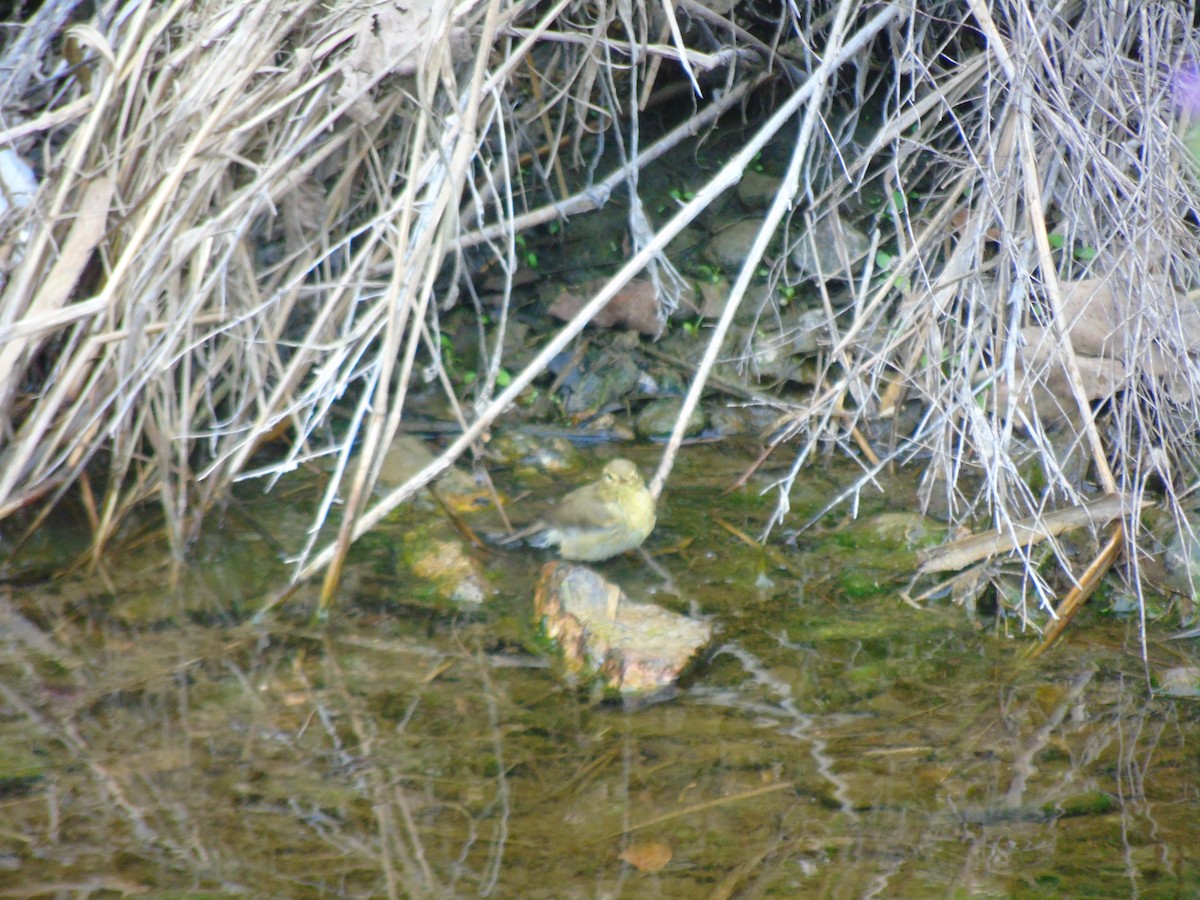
(610, 375)
(1182, 681)
(715, 294)
(777, 343)
(657, 418)
(1043, 379)
(544, 453)
(454, 574)
(408, 455)
(799, 332)
(607, 428)
(713, 297)
(909, 530)
(717, 214)
(831, 236)
(1181, 558)
(519, 344)
(647, 856)
(636, 648)
(728, 247)
(727, 421)
(757, 189)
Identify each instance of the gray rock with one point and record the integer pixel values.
(608, 378)
(657, 418)
(729, 246)
(757, 189)
(777, 343)
(837, 245)
(805, 330)
(727, 421)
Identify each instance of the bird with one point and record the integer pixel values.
(599, 520)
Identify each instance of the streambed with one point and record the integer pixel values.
(833, 741)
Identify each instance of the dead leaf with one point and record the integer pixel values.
(1041, 373)
(394, 39)
(1106, 319)
(635, 306)
(1114, 329)
(647, 857)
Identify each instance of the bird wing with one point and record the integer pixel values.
(584, 511)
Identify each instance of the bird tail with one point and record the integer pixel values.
(530, 534)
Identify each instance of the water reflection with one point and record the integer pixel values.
(829, 745)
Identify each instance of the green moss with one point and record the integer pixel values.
(19, 765)
(1091, 803)
(858, 584)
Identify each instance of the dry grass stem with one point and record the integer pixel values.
(250, 218)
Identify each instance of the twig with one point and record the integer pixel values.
(1026, 533)
(1079, 594)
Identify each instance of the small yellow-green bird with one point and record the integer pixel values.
(599, 520)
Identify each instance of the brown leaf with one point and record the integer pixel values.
(1041, 371)
(1106, 319)
(647, 857)
(1109, 324)
(635, 306)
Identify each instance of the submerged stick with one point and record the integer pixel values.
(1080, 593)
(1025, 533)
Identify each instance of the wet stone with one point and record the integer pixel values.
(726, 421)
(541, 452)
(657, 418)
(454, 574)
(609, 377)
(794, 333)
(1180, 681)
(407, 455)
(635, 648)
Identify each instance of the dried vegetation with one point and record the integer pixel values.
(242, 214)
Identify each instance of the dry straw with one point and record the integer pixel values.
(246, 214)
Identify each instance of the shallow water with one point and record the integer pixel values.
(833, 742)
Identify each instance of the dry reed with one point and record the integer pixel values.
(246, 213)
